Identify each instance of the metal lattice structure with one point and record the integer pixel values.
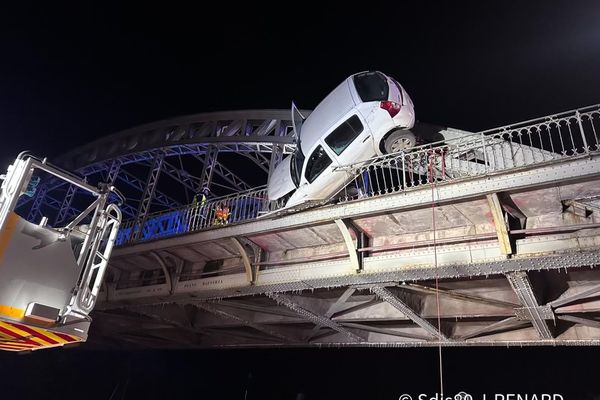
(183, 149)
(507, 221)
(465, 156)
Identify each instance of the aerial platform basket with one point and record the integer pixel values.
(50, 276)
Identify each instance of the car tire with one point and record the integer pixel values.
(399, 140)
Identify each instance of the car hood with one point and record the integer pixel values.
(280, 181)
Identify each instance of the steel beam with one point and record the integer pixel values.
(276, 158)
(260, 309)
(266, 126)
(165, 270)
(334, 308)
(499, 223)
(509, 323)
(387, 296)
(318, 320)
(50, 201)
(250, 270)
(207, 169)
(66, 205)
(383, 331)
(322, 335)
(195, 185)
(220, 170)
(231, 177)
(223, 127)
(163, 319)
(566, 298)
(339, 302)
(55, 204)
(181, 176)
(358, 307)
(135, 182)
(39, 198)
(520, 283)
(258, 158)
(593, 323)
(343, 226)
(296, 281)
(211, 308)
(113, 172)
(458, 296)
(148, 195)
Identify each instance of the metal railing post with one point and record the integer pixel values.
(485, 160)
(585, 144)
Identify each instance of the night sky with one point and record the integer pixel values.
(71, 74)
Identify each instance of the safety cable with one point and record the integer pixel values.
(435, 262)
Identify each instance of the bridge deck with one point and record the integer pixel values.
(514, 253)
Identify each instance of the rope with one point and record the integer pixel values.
(435, 261)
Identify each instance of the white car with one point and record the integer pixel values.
(368, 114)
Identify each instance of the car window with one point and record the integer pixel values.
(297, 121)
(296, 166)
(317, 163)
(371, 86)
(344, 134)
(400, 89)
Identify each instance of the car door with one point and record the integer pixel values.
(320, 175)
(297, 121)
(319, 181)
(347, 143)
(350, 141)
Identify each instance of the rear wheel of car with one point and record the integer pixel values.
(400, 140)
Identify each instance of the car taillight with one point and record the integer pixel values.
(391, 107)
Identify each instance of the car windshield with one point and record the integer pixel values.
(296, 166)
(371, 86)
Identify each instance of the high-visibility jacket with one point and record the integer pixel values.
(202, 201)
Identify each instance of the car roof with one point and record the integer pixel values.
(327, 113)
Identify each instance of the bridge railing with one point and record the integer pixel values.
(548, 139)
(238, 207)
(543, 140)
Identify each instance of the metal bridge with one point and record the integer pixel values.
(487, 238)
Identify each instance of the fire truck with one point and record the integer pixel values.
(51, 276)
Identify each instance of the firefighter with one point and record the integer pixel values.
(199, 209)
(221, 215)
(203, 198)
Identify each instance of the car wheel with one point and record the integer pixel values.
(399, 140)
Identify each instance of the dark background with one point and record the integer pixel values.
(321, 374)
(72, 73)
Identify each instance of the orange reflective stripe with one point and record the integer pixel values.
(12, 312)
(14, 347)
(14, 336)
(17, 338)
(65, 338)
(18, 343)
(60, 337)
(12, 220)
(37, 335)
(20, 335)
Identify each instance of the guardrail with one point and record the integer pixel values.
(548, 139)
(542, 140)
(220, 211)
